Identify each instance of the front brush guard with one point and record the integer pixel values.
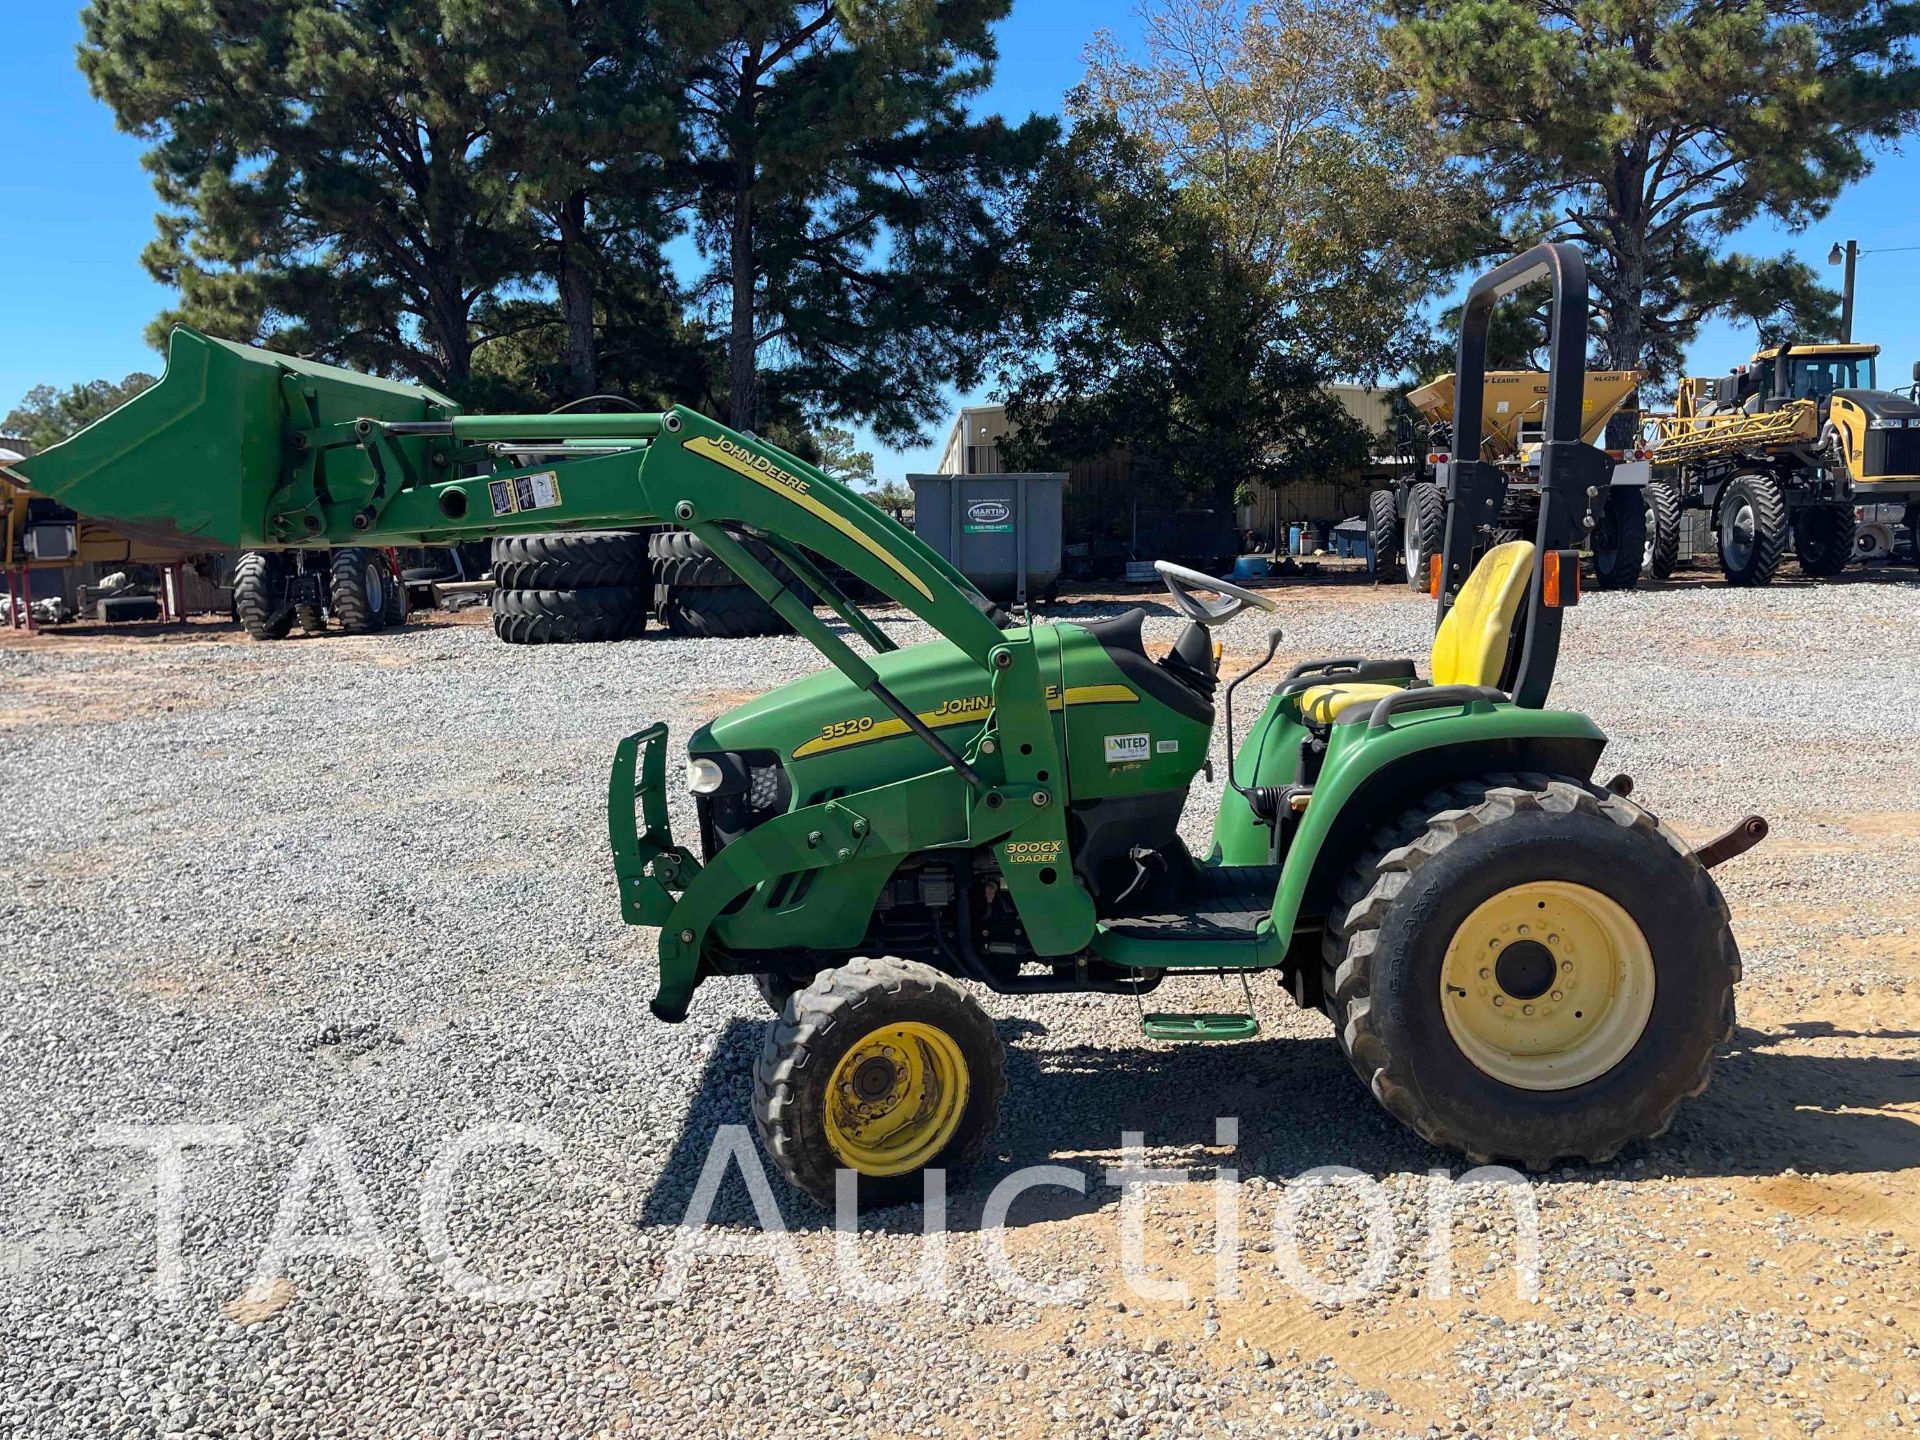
(650, 867)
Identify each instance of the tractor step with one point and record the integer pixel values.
(1199, 1026)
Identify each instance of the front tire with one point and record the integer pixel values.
(883, 1067)
(1383, 534)
(1620, 540)
(1753, 529)
(358, 582)
(257, 592)
(1823, 539)
(777, 989)
(1534, 970)
(1424, 533)
(1662, 555)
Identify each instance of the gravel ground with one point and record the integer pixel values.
(349, 898)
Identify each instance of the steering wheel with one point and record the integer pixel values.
(1182, 582)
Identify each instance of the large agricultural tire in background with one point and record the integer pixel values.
(726, 612)
(1753, 529)
(256, 595)
(1423, 533)
(358, 582)
(1620, 540)
(681, 561)
(1527, 967)
(395, 615)
(1662, 555)
(568, 617)
(579, 560)
(1383, 535)
(1823, 538)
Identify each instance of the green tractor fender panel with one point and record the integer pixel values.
(1372, 769)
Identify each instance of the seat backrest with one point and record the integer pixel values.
(1470, 647)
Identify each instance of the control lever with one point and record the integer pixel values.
(1233, 782)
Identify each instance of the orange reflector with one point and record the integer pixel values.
(1433, 576)
(1560, 579)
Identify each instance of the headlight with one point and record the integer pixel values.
(704, 776)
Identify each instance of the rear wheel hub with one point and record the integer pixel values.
(1547, 985)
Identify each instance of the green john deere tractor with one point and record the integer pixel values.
(1519, 962)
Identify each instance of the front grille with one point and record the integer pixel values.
(725, 818)
(1902, 452)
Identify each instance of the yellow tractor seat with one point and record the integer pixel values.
(1320, 704)
(1469, 648)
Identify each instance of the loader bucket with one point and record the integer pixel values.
(1515, 397)
(229, 435)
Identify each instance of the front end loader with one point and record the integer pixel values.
(1520, 963)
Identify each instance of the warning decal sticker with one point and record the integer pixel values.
(540, 491)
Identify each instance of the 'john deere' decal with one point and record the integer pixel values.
(762, 471)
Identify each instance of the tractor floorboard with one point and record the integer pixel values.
(1226, 902)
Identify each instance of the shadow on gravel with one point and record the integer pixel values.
(1299, 1105)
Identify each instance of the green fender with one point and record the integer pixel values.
(1370, 773)
(1371, 770)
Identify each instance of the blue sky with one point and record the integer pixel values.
(78, 210)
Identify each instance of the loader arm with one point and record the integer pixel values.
(242, 448)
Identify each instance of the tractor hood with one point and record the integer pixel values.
(1881, 404)
(1128, 724)
(827, 713)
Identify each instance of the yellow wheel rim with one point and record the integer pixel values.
(1547, 985)
(895, 1098)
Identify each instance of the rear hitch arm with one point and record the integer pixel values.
(1737, 841)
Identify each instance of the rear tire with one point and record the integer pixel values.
(257, 588)
(1620, 539)
(1753, 529)
(565, 617)
(1424, 532)
(855, 1049)
(576, 560)
(731, 612)
(1637, 927)
(1383, 535)
(358, 582)
(1823, 538)
(1662, 555)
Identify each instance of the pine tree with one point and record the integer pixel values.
(1650, 133)
(845, 200)
(328, 172)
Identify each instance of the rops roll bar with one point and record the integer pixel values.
(1570, 470)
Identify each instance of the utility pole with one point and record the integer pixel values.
(1837, 256)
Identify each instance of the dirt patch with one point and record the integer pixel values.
(256, 1307)
(96, 697)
